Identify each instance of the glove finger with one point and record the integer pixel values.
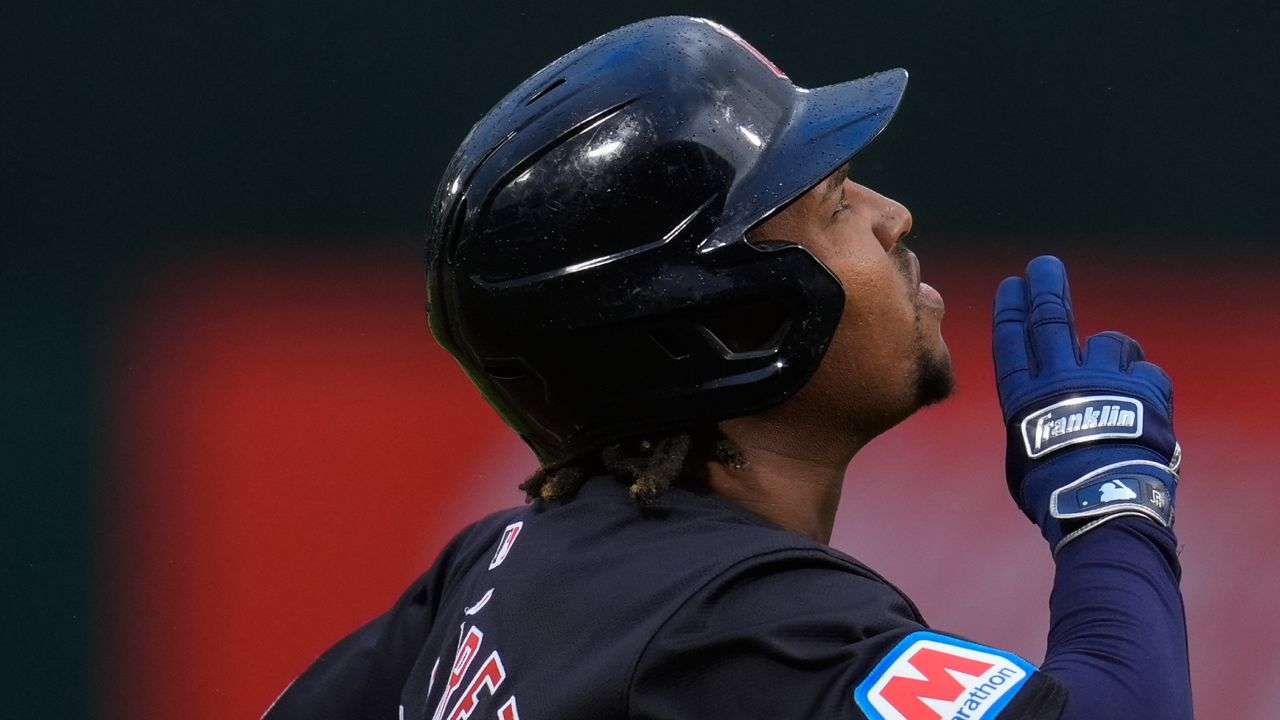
(1112, 349)
(1009, 329)
(1155, 375)
(1052, 328)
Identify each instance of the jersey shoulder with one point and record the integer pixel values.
(467, 548)
(802, 630)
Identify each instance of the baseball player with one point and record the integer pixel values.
(651, 261)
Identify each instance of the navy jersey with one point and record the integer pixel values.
(691, 607)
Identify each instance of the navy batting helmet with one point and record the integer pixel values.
(587, 263)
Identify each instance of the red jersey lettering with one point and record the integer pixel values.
(488, 678)
(468, 647)
(508, 710)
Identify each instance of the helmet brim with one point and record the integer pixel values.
(827, 127)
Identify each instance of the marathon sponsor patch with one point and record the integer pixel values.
(929, 676)
(1078, 420)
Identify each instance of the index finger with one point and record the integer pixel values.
(1008, 329)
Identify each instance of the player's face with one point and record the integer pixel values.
(887, 358)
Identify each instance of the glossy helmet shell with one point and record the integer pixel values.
(587, 263)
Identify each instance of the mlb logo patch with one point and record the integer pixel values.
(928, 676)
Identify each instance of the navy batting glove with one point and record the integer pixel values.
(1090, 435)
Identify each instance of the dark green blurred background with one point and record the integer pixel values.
(137, 136)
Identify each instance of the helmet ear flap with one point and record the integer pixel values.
(752, 330)
(771, 245)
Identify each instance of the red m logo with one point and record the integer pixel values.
(905, 694)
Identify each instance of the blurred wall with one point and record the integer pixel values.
(218, 387)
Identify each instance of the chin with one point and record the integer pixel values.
(935, 380)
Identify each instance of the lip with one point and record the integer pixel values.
(926, 295)
(931, 298)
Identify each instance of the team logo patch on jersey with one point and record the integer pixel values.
(1081, 420)
(509, 535)
(928, 676)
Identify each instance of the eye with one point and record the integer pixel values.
(841, 207)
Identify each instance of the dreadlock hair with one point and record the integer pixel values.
(652, 466)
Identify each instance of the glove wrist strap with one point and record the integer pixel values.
(1133, 486)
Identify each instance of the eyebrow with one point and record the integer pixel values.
(834, 181)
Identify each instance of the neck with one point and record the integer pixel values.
(794, 473)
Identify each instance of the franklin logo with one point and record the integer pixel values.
(934, 677)
(1081, 420)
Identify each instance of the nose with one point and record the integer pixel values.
(890, 219)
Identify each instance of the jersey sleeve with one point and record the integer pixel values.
(803, 637)
(1117, 627)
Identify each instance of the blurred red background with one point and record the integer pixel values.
(290, 448)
